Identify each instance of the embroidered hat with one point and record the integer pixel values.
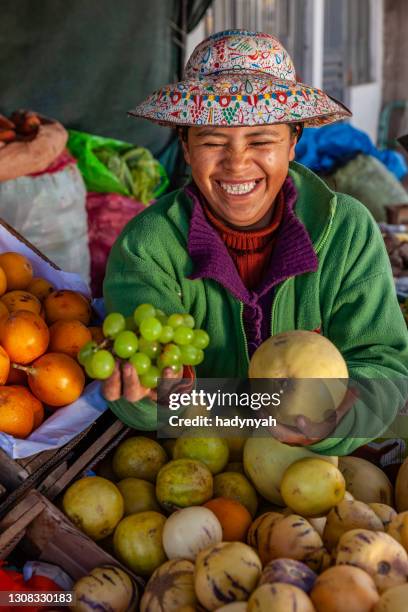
(239, 78)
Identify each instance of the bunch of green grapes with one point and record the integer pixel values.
(149, 340)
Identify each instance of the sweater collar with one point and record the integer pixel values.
(293, 253)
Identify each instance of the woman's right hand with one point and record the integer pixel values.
(125, 383)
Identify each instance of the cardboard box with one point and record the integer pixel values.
(36, 530)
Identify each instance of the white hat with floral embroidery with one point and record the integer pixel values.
(239, 78)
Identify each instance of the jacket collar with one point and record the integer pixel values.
(293, 253)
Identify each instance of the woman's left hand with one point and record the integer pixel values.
(307, 432)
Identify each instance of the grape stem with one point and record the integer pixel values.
(103, 344)
(26, 369)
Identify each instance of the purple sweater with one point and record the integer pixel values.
(292, 255)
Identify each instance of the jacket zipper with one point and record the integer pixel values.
(319, 246)
(241, 318)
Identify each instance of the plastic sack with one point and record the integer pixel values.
(330, 147)
(368, 180)
(112, 175)
(108, 213)
(49, 210)
(21, 158)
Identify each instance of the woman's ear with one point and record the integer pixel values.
(186, 151)
(293, 143)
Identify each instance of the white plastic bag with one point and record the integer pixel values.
(49, 210)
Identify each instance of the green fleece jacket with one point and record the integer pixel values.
(351, 297)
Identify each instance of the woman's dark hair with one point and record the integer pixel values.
(295, 128)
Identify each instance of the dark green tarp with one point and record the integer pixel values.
(87, 62)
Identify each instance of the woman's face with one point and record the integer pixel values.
(240, 170)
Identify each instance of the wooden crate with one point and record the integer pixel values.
(22, 475)
(86, 459)
(36, 530)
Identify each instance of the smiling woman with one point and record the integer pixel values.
(256, 244)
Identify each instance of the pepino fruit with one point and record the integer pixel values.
(171, 588)
(56, 379)
(226, 572)
(67, 305)
(376, 553)
(189, 531)
(24, 336)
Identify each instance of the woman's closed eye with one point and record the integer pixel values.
(262, 143)
(213, 144)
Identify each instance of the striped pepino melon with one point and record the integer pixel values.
(170, 588)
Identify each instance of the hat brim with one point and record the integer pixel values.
(234, 100)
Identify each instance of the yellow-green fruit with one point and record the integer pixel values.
(138, 495)
(393, 600)
(279, 597)
(106, 589)
(311, 487)
(170, 588)
(95, 505)
(302, 356)
(265, 461)
(213, 452)
(183, 482)
(226, 572)
(138, 457)
(365, 481)
(236, 486)
(138, 542)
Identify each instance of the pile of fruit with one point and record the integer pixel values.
(248, 525)
(41, 332)
(150, 340)
(21, 126)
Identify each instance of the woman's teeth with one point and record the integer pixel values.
(238, 188)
